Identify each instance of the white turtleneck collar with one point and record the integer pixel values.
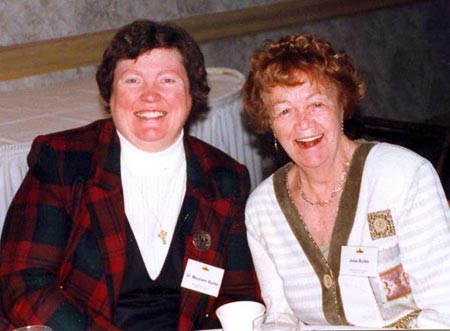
(142, 162)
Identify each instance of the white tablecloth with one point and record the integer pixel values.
(224, 126)
(26, 114)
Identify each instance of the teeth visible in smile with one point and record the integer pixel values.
(308, 139)
(152, 114)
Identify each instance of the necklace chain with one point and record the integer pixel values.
(162, 234)
(334, 192)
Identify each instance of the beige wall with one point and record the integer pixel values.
(403, 51)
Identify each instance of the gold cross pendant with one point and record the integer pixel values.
(162, 235)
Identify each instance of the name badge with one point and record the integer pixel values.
(202, 277)
(359, 261)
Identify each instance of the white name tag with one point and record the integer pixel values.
(202, 277)
(359, 261)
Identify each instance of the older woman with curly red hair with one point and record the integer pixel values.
(348, 232)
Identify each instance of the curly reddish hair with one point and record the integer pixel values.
(281, 63)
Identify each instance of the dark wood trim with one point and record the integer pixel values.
(83, 50)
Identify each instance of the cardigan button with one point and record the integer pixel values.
(327, 281)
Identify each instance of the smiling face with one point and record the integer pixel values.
(306, 119)
(151, 102)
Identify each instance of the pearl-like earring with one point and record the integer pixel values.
(275, 143)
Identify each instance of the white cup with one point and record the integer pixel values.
(34, 328)
(239, 315)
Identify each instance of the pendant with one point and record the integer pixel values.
(162, 235)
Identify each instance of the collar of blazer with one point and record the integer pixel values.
(107, 170)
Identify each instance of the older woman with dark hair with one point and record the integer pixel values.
(128, 223)
(347, 232)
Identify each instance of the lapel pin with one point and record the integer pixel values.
(202, 240)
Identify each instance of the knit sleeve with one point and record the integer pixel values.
(424, 240)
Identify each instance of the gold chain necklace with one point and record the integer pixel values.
(334, 192)
(162, 234)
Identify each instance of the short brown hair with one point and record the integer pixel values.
(278, 63)
(142, 36)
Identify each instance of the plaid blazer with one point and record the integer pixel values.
(63, 246)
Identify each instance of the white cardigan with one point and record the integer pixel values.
(413, 238)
